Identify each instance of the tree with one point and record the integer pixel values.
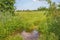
(7, 6)
(59, 6)
(6, 10)
(42, 8)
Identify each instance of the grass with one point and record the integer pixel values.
(15, 37)
(27, 21)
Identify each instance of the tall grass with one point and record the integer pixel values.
(12, 25)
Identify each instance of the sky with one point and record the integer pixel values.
(31, 4)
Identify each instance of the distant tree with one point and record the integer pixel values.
(53, 6)
(59, 6)
(49, 1)
(18, 10)
(42, 8)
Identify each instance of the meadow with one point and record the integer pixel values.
(11, 27)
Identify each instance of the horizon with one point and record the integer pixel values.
(32, 4)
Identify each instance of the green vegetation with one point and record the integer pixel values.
(7, 6)
(46, 21)
(46, 25)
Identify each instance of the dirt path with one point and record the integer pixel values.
(30, 36)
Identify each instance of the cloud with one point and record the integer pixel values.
(35, 0)
(38, 0)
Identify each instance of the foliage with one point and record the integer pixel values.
(42, 9)
(46, 22)
(59, 6)
(16, 37)
(54, 27)
(7, 6)
(29, 21)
